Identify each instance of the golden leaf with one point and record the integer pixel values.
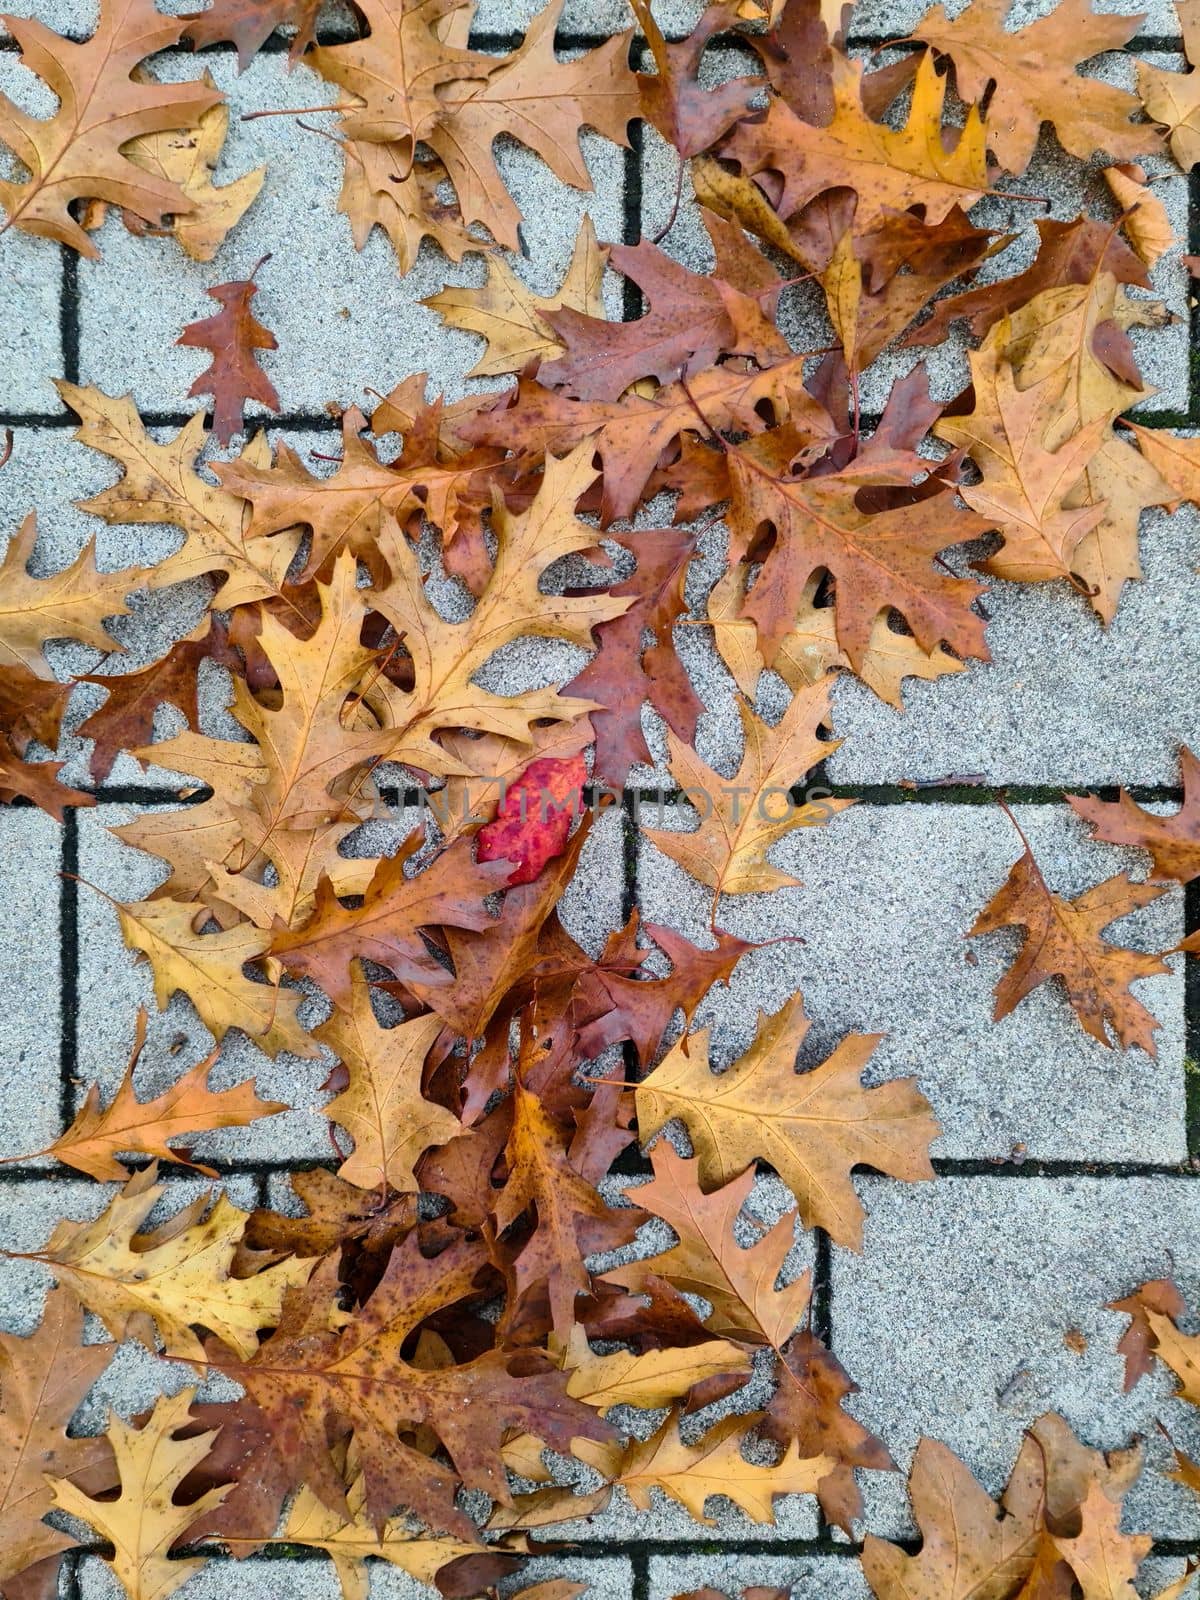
(174, 1277)
(813, 1127)
(382, 1108)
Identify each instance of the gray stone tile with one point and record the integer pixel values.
(30, 1022)
(883, 952)
(954, 1321)
(344, 320)
(806, 1577)
(591, 17)
(1063, 700)
(31, 342)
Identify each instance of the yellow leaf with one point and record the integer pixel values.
(1146, 223)
(160, 484)
(174, 1277)
(188, 158)
(691, 1474)
(207, 967)
(508, 316)
(1027, 490)
(447, 656)
(70, 604)
(740, 819)
(1172, 99)
(813, 1127)
(652, 1379)
(382, 1108)
(144, 1522)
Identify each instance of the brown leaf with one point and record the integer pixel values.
(889, 170)
(1033, 79)
(78, 154)
(247, 24)
(44, 1377)
(233, 376)
(310, 1383)
(691, 320)
(95, 1138)
(1173, 842)
(1064, 939)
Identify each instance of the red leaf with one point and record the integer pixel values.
(532, 825)
(233, 376)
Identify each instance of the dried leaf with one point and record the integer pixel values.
(813, 1127)
(172, 1278)
(233, 376)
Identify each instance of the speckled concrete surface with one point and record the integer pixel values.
(1063, 1171)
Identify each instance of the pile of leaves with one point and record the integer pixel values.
(460, 1297)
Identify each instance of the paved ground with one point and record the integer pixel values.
(1063, 1168)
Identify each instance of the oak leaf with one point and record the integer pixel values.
(1173, 842)
(1064, 940)
(740, 1286)
(78, 153)
(188, 157)
(691, 117)
(813, 1127)
(348, 1543)
(233, 376)
(1137, 1344)
(1104, 1560)
(1172, 99)
(247, 24)
(970, 1545)
(1068, 253)
(1032, 76)
(715, 1465)
(1175, 458)
(447, 656)
(208, 968)
(625, 672)
(653, 1378)
(70, 604)
(396, 70)
(1064, 334)
(310, 1384)
(1025, 486)
(38, 781)
(160, 484)
(449, 891)
(879, 560)
(741, 819)
(810, 648)
(542, 102)
(889, 169)
(44, 1378)
(171, 1278)
(511, 318)
(144, 1522)
(691, 320)
(93, 1141)
(572, 1219)
(382, 1106)
(127, 717)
